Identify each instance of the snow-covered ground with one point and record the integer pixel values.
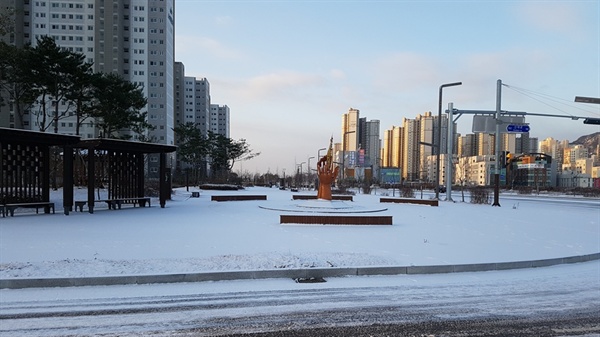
(197, 235)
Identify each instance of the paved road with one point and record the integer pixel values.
(553, 301)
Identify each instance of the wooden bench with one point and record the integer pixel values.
(336, 219)
(314, 197)
(116, 203)
(430, 202)
(10, 208)
(237, 197)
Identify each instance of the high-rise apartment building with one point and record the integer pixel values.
(372, 145)
(368, 142)
(360, 144)
(486, 145)
(410, 146)
(194, 106)
(410, 150)
(425, 127)
(549, 146)
(391, 152)
(132, 38)
(180, 93)
(350, 131)
(509, 142)
(467, 145)
(219, 119)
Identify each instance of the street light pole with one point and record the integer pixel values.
(308, 170)
(439, 142)
(308, 165)
(450, 153)
(319, 153)
(301, 177)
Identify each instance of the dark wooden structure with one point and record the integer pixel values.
(430, 202)
(336, 219)
(25, 169)
(125, 171)
(314, 197)
(241, 197)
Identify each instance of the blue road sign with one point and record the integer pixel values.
(520, 128)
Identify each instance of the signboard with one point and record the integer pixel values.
(487, 124)
(361, 157)
(517, 128)
(390, 175)
(351, 158)
(530, 166)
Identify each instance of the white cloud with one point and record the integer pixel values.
(201, 45)
(278, 85)
(223, 20)
(337, 74)
(401, 71)
(555, 17)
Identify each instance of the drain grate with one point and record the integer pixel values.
(310, 280)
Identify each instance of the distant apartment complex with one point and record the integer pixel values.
(408, 149)
(359, 150)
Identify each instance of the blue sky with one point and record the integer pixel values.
(288, 70)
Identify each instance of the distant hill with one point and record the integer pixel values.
(589, 141)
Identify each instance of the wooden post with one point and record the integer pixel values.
(67, 179)
(91, 178)
(163, 182)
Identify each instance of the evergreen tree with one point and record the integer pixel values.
(16, 83)
(53, 72)
(224, 152)
(193, 147)
(118, 107)
(82, 94)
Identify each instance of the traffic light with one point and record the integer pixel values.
(508, 159)
(593, 121)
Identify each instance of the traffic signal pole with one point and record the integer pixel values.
(500, 125)
(497, 145)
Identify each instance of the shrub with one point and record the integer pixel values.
(366, 187)
(407, 192)
(479, 195)
(220, 187)
(524, 190)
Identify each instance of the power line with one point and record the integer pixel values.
(568, 103)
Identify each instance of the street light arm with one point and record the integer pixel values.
(439, 147)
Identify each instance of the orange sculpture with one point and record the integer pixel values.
(326, 173)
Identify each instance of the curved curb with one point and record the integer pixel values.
(286, 273)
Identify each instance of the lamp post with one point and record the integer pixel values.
(317, 169)
(308, 170)
(319, 153)
(439, 133)
(344, 154)
(308, 165)
(301, 178)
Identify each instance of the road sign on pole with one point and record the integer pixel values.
(517, 128)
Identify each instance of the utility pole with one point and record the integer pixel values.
(497, 145)
(450, 153)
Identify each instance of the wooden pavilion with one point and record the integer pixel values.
(25, 170)
(125, 170)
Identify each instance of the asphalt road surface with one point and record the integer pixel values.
(553, 301)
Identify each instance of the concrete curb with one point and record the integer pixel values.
(285, 273)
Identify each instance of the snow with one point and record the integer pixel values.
(197, 234)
